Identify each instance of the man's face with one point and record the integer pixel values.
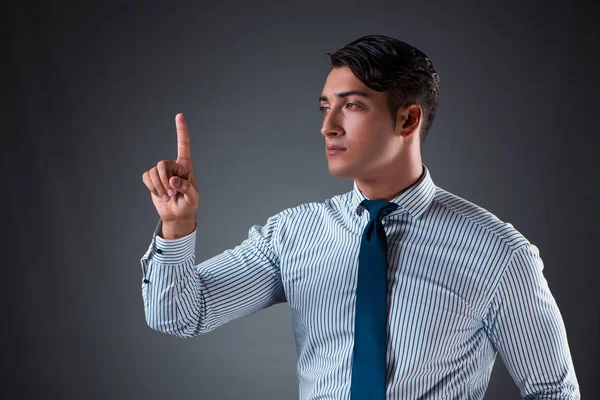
(362, 125)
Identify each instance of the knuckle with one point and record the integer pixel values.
(162, 164)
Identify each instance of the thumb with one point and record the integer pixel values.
(175, 181)
(183, 186)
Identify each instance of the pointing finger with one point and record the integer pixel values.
(183, 139)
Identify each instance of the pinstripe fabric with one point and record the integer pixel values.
(463, 286)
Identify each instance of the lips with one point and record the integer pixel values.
(335, 148)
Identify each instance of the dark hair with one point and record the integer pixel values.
(389, 65)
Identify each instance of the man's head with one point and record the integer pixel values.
(401, 87)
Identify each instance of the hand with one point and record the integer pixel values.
(182, 203)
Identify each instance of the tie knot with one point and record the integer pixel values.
(378, 208)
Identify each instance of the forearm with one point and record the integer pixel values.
(174, 303)
(186, 300)
(168, 273)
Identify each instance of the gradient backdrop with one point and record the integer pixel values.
(91, 93)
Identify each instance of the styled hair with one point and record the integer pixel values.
(390, 65)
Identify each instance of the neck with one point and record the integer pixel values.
(388, 187)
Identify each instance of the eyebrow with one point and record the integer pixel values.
(345, 94)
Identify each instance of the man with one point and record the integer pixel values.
(462, 285)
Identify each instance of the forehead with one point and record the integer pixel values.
(339, 76)
(342, 79)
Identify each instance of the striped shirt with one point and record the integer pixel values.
(462, 286)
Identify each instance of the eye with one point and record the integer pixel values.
(348, 105)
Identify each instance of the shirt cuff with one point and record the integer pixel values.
(173, 251)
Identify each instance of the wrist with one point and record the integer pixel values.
(177, 229)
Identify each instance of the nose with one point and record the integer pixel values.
(331, 124)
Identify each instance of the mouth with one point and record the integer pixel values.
(335, 150)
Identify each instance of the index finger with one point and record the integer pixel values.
(183, 139)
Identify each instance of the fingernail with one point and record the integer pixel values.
(165, 197)
(171, 192)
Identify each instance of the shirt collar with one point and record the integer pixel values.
(413, 200)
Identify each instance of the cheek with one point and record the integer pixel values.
(368, 136)
(360, 129)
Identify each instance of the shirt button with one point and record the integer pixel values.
(159, 251)
(146, 281)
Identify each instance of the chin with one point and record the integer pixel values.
(340, 171)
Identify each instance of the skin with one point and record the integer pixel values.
(383, 161)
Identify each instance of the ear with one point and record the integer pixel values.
(414, 115)
(408, 119)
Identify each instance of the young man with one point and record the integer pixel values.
(457, 285)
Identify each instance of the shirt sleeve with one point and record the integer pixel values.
(526, 327)
(185, 300)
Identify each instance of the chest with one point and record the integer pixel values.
(431, 289)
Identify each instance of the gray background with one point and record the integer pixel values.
(91, 92)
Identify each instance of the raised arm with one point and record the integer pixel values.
(186, 300)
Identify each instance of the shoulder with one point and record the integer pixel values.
(310, 215)
(472, 216)
(330, 205)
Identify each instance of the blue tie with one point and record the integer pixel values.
(370, 323)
